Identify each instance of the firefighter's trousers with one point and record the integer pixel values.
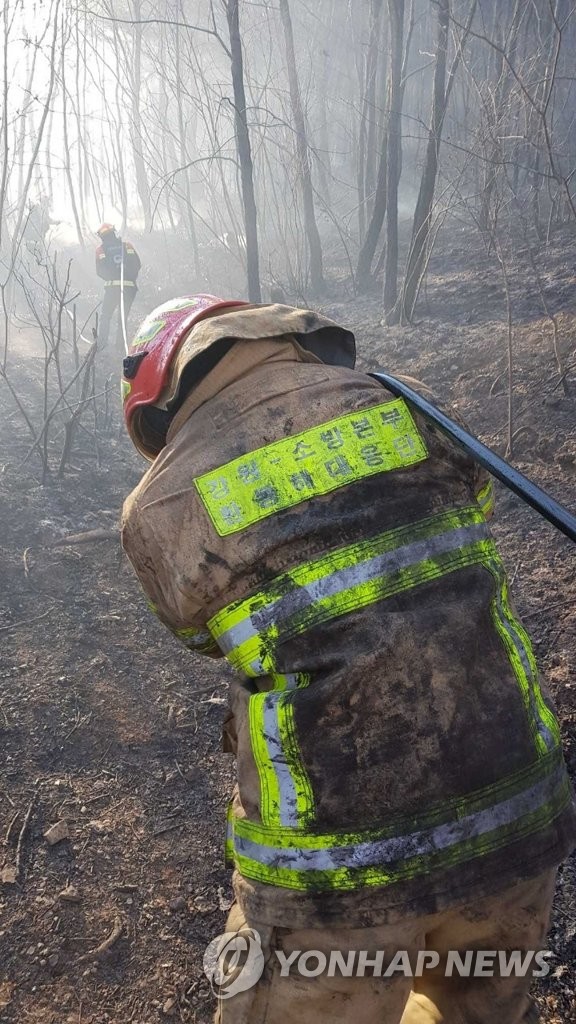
(516, 919)
(110, 303)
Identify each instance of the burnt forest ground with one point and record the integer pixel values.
(108, 726)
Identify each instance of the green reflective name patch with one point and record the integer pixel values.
(315, 462)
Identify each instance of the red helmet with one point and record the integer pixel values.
(150, 377)
(106, 229)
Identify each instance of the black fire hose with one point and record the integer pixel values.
(533, 495)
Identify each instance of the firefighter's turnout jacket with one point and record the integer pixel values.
(109, 257)
(396, 752)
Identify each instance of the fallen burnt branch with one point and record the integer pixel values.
(27, 622)
(106, 945)
(12, 869)
(22, 835)
(86, 537)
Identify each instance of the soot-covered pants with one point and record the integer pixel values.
(110, 303)
(516, 919)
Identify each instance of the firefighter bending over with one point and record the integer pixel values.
(400, 777)
(118, 264)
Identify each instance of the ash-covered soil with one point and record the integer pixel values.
(110, 728)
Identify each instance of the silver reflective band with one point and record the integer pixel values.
(302, 597)
(288, 809)
(380, 852)
(522, 653)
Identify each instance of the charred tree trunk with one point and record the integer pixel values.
(38, 135)
(184, 157)
(65, 138)
(4, 134)
(422, 224)
(136, 122)
(370, 163)
(394, 150)
(496, 107)
(423, 212)
(363, 276)
(244, 152)
(303, 155)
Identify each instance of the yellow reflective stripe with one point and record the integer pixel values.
(398, 825)
(485, 498)
(285, 791)
(321, 862)
(269, 789)
(302, 811)
(544, 727)
(131, 284)
(248, 631)
(200, 640)
(315, 462)
(351, 555)
(350, 578)
(125, 388)
(229, 841)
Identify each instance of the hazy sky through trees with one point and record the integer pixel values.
(124, 110)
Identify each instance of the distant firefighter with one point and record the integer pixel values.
(118, 264)
(37, 224)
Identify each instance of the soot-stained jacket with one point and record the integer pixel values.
(109, 257)
(396, 752)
